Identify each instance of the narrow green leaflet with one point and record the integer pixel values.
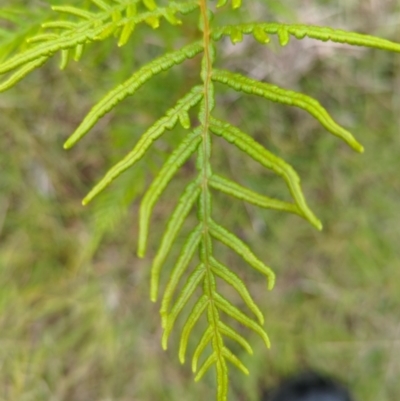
(300, 31)
(234, 335)
(206, 365)
(175, 223)
(235, 313)
(252, 148)
(232, 188)
(146, 140)
(178, 157)
(243, 250)
(129, 87)
(185, 257)
(77, 12)
(187, 291)
(234, 360)
(231, 278)
(192, 319)
(205, 339)
(21, 73)
(280, 95)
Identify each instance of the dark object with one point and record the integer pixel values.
(309, 386)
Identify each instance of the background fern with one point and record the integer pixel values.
(217, 231)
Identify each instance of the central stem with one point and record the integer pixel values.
(204, 210)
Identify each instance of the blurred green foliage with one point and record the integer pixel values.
(75, 319)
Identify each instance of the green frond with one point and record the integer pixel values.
(223, 304)
(102, 5)
(234, 335)
(234, 189)
(150, 4)
(222, 380)
(231, 278)
(21, 73)
(98, 20)
(178, 157)
(185, 204)
(48, 49)
(129, 87)
(64, 59)
(248, 145)
(189, 248)
(69, 25)
(187, 291)
(288, 97)
(17, 23)
(192, 319)
(260, 35)
(146, 140)
(206, 365)
(95, 26)
(221, 3)
(300, 31)
(205, 339)
(244, 251)
(234, 360)
(126, 33)
(235, 3)
(42, 37)
(78, 52)
(153, 17)
(236, 36)
(76, 12)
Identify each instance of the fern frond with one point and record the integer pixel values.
(21, 22)
(153, 133)
(233, 242)
(234, 335)
(79, 27)
(235, 3)
(206, 365)
(300, 31)
(284, 96)
(231, 278)
(96, 26)
(191, 245)
(179, 215)
(187, 291)
(268, 160)
(102, 5)
(192, 319)
(205, 339)
(234, 360)
(130, 86)
(238, 315)
(21, 73)
(178, 157)
(232, 188)
(76, 12)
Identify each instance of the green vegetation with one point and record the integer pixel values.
(75, 319)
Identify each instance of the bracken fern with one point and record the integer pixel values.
(119, 18)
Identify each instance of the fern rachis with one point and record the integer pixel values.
(121, 18)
